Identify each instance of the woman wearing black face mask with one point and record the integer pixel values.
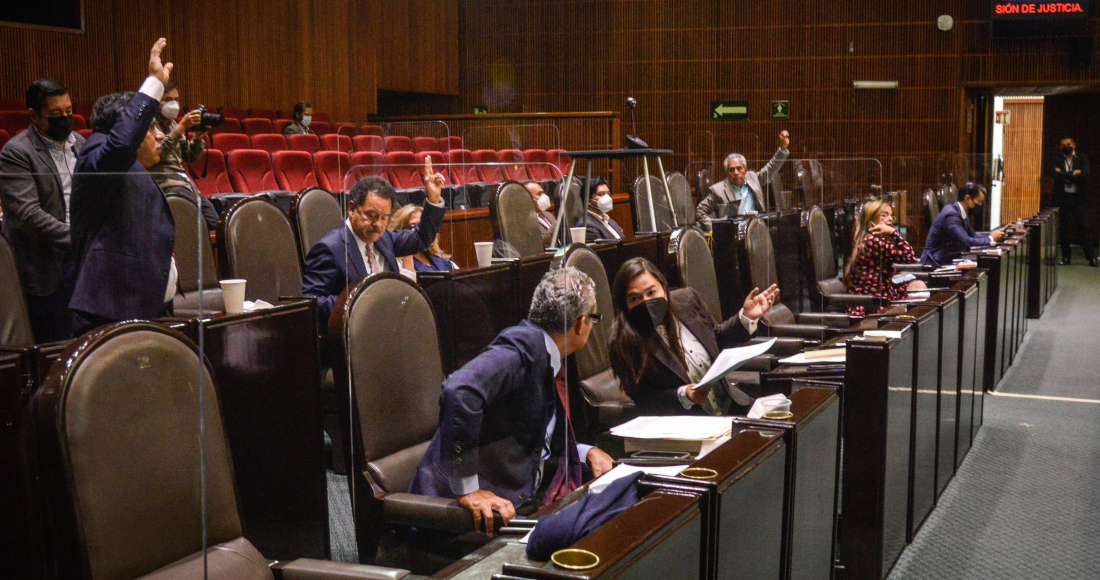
(663, 342)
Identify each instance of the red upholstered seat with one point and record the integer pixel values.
(257, 126)
(234, 112)
(319, 127)
(78, 122)
(250, 171)
(538, 167)
(307, 143)
(439, 165)
(281, 125)
(217, 178)
(85, 133)
(334, 142)
(372, 130)
(226, 142)
(14, 121)
(366, 163)
(270, 142)
(322, 117)
(231, 126)
(4, 136)
(369, 143)
(559, 158)
(330, 168)
(488, 173)
(403, 171)
(425, 144)
(347, 129)
(448, 143)
(463, 170)
(269, 114)
(397, 143)
(513, 168)
(293, 170)
(12, 105)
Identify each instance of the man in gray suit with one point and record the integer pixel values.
(36, 175)
(742, 190)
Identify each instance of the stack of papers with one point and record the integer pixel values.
(674, 433)
(825, 355)
(728, 360)
(882, 333)
(623, 470)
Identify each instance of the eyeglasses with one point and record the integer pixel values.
(594, 318)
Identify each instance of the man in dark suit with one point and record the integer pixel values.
(122, 228)
(1071, 194)
(361, 246)
(542, 204)
(36, 172)
(599, 225)
(505, 441)
(951, 233)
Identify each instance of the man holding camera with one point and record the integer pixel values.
(169, 172)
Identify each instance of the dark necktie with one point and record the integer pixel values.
(567, 476)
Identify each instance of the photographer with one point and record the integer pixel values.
(169, 172)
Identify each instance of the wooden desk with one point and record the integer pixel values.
(971, 351)
(471, 307)
(997, 271)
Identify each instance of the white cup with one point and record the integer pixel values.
(484, 251)
(775, 405)
(233, 294)
(577, 234)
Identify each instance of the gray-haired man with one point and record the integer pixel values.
(505, 441)
(742, 189)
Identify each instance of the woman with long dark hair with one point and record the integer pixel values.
(876, 247)
(663, 342)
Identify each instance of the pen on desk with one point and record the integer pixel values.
(825, 367)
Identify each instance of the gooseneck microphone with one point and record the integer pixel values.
(633, 141)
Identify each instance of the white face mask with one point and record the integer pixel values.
(170, 110)
(604, 203)
(306, 120)
(543, 202)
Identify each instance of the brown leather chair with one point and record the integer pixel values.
(598, 385)
(315, 212)
(930, 205)
(512, 213)
(118, 435)
(661, 212)
(695, 263)
(191, 246)
(947, 194)
(256, 243)
(15, 319)
(682, 203)
(393, 387)
(828, 292)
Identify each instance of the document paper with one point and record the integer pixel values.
(728, 360)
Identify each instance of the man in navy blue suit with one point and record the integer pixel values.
(505, 441)
(361, 246)
(951, 233)
(122, 229)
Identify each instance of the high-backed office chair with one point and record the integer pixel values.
(695, 266)
(593, 364)
(190, 245)
(947, 194)
(828, 290)
(930, 205)
(15, 319)
(256, 243)
(315, 213)
(575, 207)
(682, 203)
(390, 434)
(512, 213)
(661, 212)
(121, 498)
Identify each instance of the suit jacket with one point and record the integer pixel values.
(122, 228)
(949, 236)
(34, 211)
(722, 192)
(596, 230)
(1063, 177)
(655, 391)
(297, 129)
(546, 225)
(493, 415)
(334, 262)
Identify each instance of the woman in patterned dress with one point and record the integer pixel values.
(876, 247)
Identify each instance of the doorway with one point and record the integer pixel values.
(1017, 158)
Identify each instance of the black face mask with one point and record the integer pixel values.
(975, 214)
(1067, 150)
(60, 127)
(648, 315)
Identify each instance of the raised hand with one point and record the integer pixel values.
(758, 303)
(433, 182)
(784, 140)
(189, 120)
(881, 230)
(156, 69)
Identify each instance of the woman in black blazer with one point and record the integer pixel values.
(663, 342)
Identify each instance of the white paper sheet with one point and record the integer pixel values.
(884, 333)
(250, 306)
(623, 470)
(800, 359)
(728, 360)
(674, 427)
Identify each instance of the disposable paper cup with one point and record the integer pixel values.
(577, 234)
(775, 406)
(233, 294)
(484, 252)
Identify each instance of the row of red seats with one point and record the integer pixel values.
(271, 142)
(257, 126)
(256, 170)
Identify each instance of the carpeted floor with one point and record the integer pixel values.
(1024, 503)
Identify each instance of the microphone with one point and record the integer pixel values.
(632, 141)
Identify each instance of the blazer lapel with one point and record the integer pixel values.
(45, 156)
(355, 264)
(384, 246)
(664, 354)
(699, 327)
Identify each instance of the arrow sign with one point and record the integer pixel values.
(729, 110)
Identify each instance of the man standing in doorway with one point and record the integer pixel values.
(1071, 193)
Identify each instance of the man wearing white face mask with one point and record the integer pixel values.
(303, 116)
(169, 172)
(542, 205)
(599, 225)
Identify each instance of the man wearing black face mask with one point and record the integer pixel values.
(36, 169)
(951, 233)
(1071, 193)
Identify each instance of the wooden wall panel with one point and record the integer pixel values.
(418, 45)
(1023, 159)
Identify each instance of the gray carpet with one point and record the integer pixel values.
(1024, 503)
(341, 521)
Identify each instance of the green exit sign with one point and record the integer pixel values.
(729, 110)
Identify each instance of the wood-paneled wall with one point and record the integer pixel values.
(334, 53)
(1023, 159)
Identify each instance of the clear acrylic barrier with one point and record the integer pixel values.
(516, 135)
